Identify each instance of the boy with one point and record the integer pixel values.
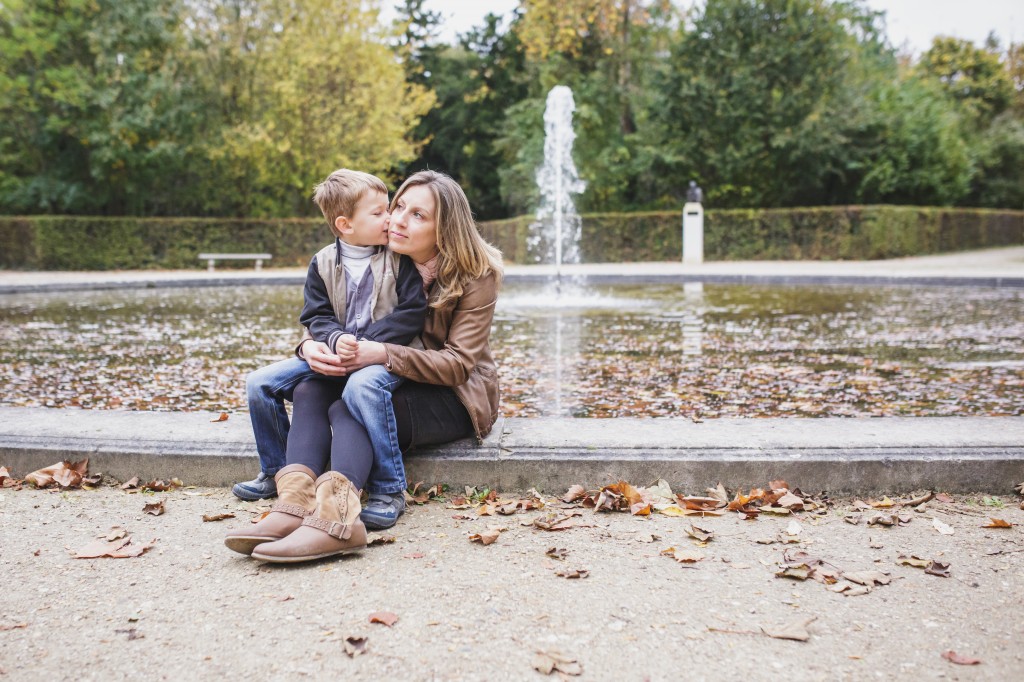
(355, 289)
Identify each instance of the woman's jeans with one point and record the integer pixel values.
(367, 394)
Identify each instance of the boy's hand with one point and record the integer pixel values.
(345, 346)
(367, 353)
(320, 359)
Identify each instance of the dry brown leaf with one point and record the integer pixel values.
(575, 492)
(222, 417)
(790, 501)
(382, 540)
(384, 618)
(699, 503)
(880, 519)
(556, 553)
(6, 480)
(555, 521)
(549, 661)
(217, 517)
(939, 568)
(884, 503)
(959, 659)
(913, 560)
(131, 484)
(997, 523)
(485, 538)
(573, 573)
(778, 485)
(121, 548)
(719, 494)
(915, 501)
(355, 646)
(795, 630)
(156, 508)
(65, 474)
(868, 578)
(14, 626)
(945, 498)
(700, 534)
(683, 556)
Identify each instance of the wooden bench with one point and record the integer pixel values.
(211, 258)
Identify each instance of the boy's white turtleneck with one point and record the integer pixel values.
(356, 259)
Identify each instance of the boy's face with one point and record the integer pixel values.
(368, 226)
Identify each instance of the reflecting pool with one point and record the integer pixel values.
(638, 350)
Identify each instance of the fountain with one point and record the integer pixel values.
(555, 234)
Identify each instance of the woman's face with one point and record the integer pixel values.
(414, 224)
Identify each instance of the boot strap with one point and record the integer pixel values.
(291, 509)
(342, 531)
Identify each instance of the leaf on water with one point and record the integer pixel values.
(939, 568)
(222, 417)
(485, 538)
(65, 474)
(913, 560)
(997, 523)
(943, 528)
(131, 484)
(700, 534)
(575, 493)
(155, 508)
(547, 662)
(384, 618)
(795, 630)
(217, 517)
(381, 540)
(868, 578)
(573, 573)
(959, 659)
(355, 646)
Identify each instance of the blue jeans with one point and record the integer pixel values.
(367, 395)
(267, 388)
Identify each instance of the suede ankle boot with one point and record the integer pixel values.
(296, 499)
(334, 528)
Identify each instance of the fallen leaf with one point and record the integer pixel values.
(719, 494)
(790, 501)
(222, 417)
(997, 523)
(217, 517)
(131, 484)
(927, 497)
(778, 485)
(646, 537)
(382, 540)
(700, 534)
(944, 497)
(65, 474)
(683, 556)
(868, 578)
(880, 519)
(571, 574)
(155, 508)
(943, 528)
(575, 492)
(555, 521)
(793, 529)
(549, 661)
(556, 553)
(355, 646)
(15, 626)
(414, 555)
(485, 538)
(795, 630)
(384, 618)
(939, 568)
(121, 548)
(885, 502)
(912, 560)
(959, 659)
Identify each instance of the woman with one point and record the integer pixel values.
(450, 387)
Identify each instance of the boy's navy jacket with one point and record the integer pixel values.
(398, 304)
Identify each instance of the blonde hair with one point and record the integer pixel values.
(463, 255)
(338, 195)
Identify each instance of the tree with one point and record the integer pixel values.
(974, 77)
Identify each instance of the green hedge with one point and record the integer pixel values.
(828, 233)
(831, 233)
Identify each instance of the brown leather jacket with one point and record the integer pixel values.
(457, 352)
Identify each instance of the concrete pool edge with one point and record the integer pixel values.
(840, 455)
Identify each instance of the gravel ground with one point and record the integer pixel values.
(188, 608)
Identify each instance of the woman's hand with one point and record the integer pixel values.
(367, 353)
(320, 359)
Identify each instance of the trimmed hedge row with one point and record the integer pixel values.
(830, 233)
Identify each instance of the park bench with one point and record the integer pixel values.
(211, 258)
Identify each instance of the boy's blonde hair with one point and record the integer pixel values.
(463, 255)
(338, 195)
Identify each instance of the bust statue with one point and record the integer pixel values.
(694, 194)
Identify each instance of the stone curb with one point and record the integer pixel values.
(840, 455)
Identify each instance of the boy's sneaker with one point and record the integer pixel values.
(259, 488)
(382, 510)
